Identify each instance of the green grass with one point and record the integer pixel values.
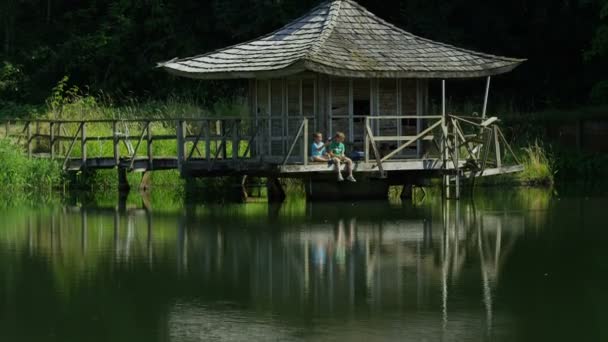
(21, 176)
(538, 166)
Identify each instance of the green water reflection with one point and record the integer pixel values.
(508, 266)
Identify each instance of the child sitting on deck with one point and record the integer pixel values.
(336, 153)
(318, 151)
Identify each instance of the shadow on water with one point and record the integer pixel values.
(142, 271)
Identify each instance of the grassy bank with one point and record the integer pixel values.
(23, 177)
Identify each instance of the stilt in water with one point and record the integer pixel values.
(407, 192)
(123, 181)
(276, 194)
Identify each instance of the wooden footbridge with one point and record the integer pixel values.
(449, 147)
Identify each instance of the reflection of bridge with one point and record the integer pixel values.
(339, 266)
(351, 266)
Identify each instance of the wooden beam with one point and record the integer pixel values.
(497, 145)
(407, 144)
(485, 98)
(83, 143)
(379, 161)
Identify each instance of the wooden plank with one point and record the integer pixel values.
(489, 121)
(496, 171)
(372, 167)
(404, 138)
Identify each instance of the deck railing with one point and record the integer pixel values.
(455, 140)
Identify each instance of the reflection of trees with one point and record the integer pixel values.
(341, 264)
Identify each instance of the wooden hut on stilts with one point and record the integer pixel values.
(341, 68)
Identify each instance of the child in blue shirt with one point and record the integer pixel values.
(318, 149)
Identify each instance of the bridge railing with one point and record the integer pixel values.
(123, 142)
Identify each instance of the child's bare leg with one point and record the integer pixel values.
(349, 166)
(319, 159)
(338, 164)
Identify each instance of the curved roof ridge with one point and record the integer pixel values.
(328, 27)
(427, 40)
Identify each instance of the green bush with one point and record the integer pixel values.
(20, 174)
(538, 166)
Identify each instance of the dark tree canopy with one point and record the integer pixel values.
(113, 46)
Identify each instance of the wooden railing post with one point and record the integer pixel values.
(223, 138)
(28, 128)
(207, 140)
(149, 141)
(235, 140)
(115, 143)
(83, 142)
(456, 158)
(7, 129)
(52, 139)
(58, 138)
(181, 143)
(497, 144)
(305, 142)
(367, 129)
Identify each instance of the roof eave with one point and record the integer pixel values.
(339, 72)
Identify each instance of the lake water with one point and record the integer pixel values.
(524, 265)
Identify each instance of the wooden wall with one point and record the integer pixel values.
(333, 104)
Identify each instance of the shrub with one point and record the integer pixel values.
(538, 166)
(20, 174)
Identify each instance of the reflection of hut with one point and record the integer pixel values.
(337, 65)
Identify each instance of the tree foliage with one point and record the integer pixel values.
(114, 45)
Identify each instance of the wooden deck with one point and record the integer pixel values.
(454, 147)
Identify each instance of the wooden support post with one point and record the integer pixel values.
(59, 141)
(497, 145)
(123, 181)
(7, 129)
(52, 139)
(115, 143)
(407, 192)
(366, 148)
(444, 142)
(149, 143)
(223, 138)
(485, 99)
(181, 143)
(305, 142)
(28, 128)
(276, 194)
(83, 143)
(235, 140)
(208, 140)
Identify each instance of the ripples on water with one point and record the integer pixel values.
(506, 267)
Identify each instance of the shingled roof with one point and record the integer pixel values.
(341, 38)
